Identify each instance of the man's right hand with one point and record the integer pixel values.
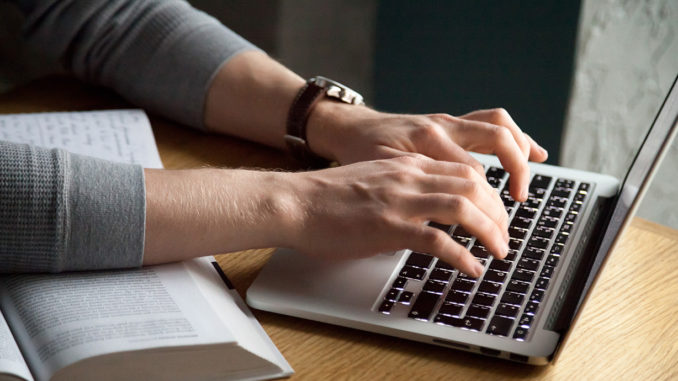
(374, 207)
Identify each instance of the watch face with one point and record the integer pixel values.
(336, 90)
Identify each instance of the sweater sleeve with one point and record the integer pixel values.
(158, 54)
(61, 211)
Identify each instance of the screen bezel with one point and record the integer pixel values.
(636, 182)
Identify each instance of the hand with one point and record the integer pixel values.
(380, 206)
(349, 134)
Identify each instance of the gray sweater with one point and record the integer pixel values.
(61, 211)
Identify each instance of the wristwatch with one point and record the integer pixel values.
(308, 96)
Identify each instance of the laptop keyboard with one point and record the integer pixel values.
(505, 299)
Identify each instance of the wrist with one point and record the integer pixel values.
(331, 127)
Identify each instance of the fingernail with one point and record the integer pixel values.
(478, 269)
(524, 194)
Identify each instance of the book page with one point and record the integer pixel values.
(61, 319)
(11, 361)
(117, 135)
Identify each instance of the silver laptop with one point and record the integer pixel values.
(522, 307)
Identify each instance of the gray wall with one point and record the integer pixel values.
(627, 58)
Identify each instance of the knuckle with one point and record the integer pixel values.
(435, 238)
(501, 134)
(443, 117)
(425, 131)
(457, 204)
(467, 171)
(471, 189)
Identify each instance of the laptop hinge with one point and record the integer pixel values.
(580, 267)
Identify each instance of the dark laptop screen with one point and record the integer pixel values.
(646, 161)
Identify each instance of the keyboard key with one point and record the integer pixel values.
(557, 249)
(528, 264)
(526, 321)
(443, 227)
(472, 323)
(576, 206)
(518, 286)
(538, 242)
(413, 272)
(521, 222)
(440, 275)
(423, 306)
(584, 187)
(500, 325)
(552, 260)
(495, 276)
(524, 275)
(392, 294)
(479, 251)
(463, 285)
(520, 333)
(531, 308)
(457, 297)
(419, 260)
(451, 309)
(561, 239)
(508, 310)
(499, 265)
(512, 255)
(405, 297)
(542, 283)
(517, 232)
(434, 287)
(537, 295)
(570, 218)
(565, 183)
(547, 271)
(513, 298)
(539, 181)
(399, 282)
(495, 172)
(448, 320)
(386, 306)
(543, 232)
(524, 212)
(444, 265)
(480, 312)
(515, 244)
(566, 228)
(490, 287)
(561, 192)
(462, 241)
(552, 212)
(459, 231)
(484, 299)
(556, 202)
(533, 253)
(548, 222)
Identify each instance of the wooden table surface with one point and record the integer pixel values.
(628, 329)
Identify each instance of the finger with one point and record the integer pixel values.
(537, 152)
(487, 138)
(501, 117)
(443, 148)
(479, 192)
(455, 209)
(425, 239)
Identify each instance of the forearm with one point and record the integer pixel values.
(251, 95)
(200, 212)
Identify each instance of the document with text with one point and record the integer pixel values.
(170, 322)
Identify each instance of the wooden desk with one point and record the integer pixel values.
(628, 330)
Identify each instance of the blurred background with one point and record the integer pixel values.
(584, 78)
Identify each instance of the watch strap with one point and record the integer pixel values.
(295, 138)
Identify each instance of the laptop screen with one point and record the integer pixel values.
(644, 164)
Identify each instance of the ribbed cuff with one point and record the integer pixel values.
(106, 215)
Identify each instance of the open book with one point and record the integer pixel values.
(172, 322)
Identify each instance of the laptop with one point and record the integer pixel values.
(522, 307)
